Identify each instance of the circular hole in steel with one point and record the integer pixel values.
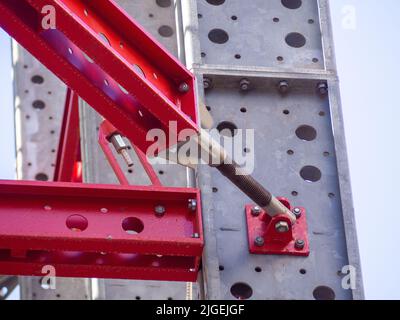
(310, 174)
(241, 291)
(221, 268)
(216, 2)
(286, 111)
(306, 133)
(321, 113)
(163, 3)
(234, 18)
(132, 225)
(292, 4)
(290, 152)
(279, 58)
(38, 104)
(227, 129)
(295, 193)
(303, 271)
(139, 70)
(41, 177)
(123, 89)
(315, 60)
(218, 36)
(326, 154)
(37, 79)
(3, 292)
(208, 108)
(275, 19)
(88, 58)
(104, 38)
(214, 189)
(238, 56)
(243, 110)
(165, 31)
(311, 21)
(331, 195)
(295, 40)
(77, 223)
(257, 269)
(324, 293)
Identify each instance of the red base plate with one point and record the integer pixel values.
(275, 242)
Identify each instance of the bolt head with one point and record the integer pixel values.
(195, 235)
(283, 86)
(259, 241)
(159, 210)
(207, 83)
(322, 88)
(244, 85)
(192, 204)
(282, 226)
(297, 212)
(184, 87)
(299, 244)
(256, 211)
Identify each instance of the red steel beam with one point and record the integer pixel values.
(99, 231)
(68, 154)
(110, 62)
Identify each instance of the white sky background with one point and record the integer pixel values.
(368, 63)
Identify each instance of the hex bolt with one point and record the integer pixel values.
(322, 88)
(207, 83)
(297, 212)
(195, 235)
(256, 211)
(192, 204)
(282, 226)
(121, 147)
(244, 84)
(283, 86)
(259, 241)
(299, 244)
(159, 210)
(184, 87)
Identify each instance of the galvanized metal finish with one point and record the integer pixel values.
(252, 46)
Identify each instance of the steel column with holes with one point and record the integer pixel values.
(264, 65)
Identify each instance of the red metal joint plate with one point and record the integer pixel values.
(97, 230)
(272, 242)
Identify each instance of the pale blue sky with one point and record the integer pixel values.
(368, 63)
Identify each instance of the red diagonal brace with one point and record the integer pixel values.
(68, 164)
(109, 61)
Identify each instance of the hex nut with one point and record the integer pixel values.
(282, 226)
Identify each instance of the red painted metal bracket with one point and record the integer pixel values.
(100, 231)
(110, 62)
(268, 235)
